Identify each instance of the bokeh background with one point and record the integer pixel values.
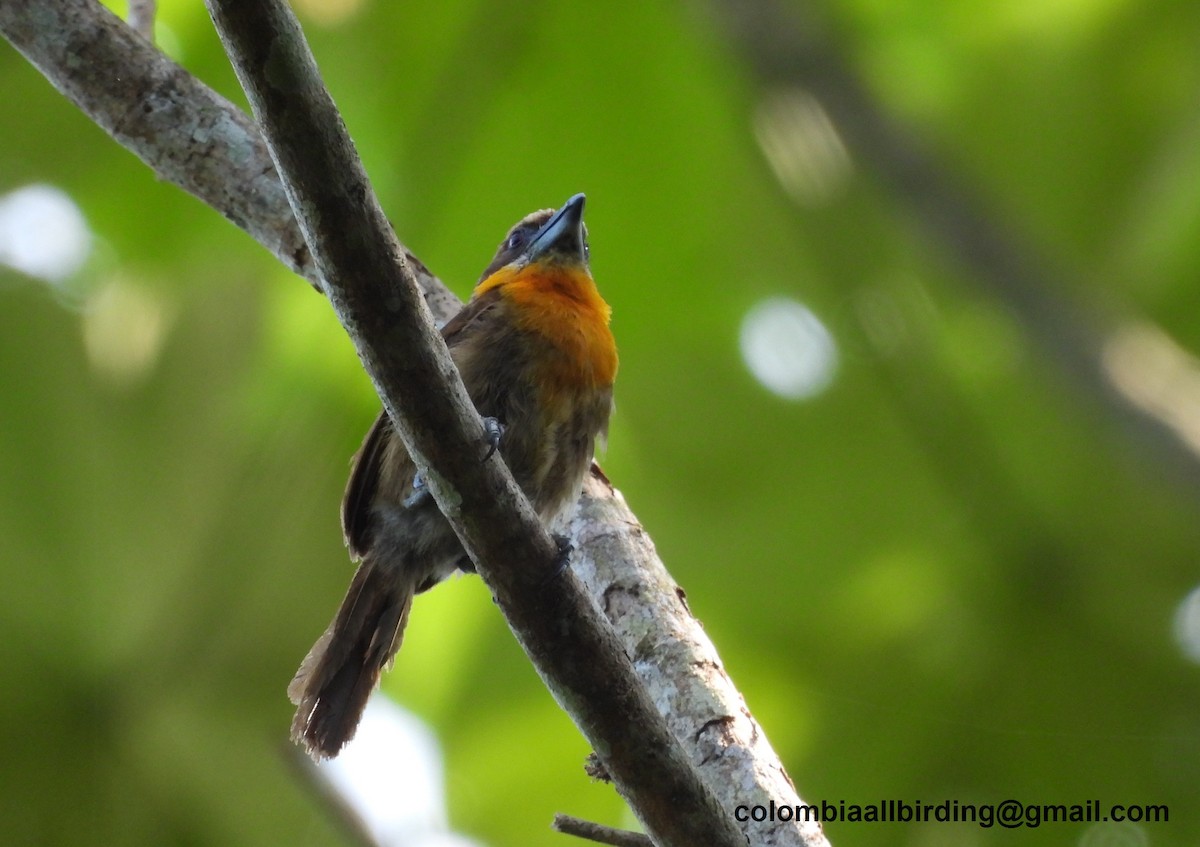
(946, 540)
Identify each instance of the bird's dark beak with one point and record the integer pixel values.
(562, 238)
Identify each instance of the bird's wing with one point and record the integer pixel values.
(364, 481)
(461, 325)
(382, 459)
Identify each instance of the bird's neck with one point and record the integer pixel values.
(563, 306)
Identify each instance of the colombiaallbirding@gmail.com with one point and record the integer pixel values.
(538, 359)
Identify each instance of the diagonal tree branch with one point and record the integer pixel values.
(187, 134)
(183, 130)
(378, 302)
(194, 138)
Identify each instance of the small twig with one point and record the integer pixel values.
(570, 825)
(141, 17)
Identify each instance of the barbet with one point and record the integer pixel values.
(537, 357)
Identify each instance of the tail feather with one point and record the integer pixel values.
(337, 676)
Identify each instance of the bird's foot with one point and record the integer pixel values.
(493, 431)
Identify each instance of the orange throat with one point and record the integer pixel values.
(563, 305)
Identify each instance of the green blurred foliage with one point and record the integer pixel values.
(950, 575)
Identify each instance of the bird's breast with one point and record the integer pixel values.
(564, 310)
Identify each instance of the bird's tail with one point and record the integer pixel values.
(337, 676)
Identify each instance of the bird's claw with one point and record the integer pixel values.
(563, 560)
(419, 492)
(493, 431)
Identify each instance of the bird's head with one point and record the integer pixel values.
(543, 240)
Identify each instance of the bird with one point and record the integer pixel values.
(537, 356)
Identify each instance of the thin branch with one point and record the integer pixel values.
(570, 825)
(345, 816)
(184, 131)
(196, 139)
(379, 305)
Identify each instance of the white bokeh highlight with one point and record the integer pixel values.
(788, 349)
(1114, 834)
(390, 775)
(1187, 626)
(43, 233)
(802, 146)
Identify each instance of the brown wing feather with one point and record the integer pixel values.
(360, 490)
(462, 323)
(357, 526)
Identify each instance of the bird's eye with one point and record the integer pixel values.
(517, 240)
